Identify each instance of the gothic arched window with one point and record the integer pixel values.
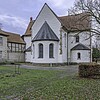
(40, 50)
(51, 50)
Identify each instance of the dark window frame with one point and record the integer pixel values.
(77, 38)
(40, 50)
(78, 55)
(51, 50)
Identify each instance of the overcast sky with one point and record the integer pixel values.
(15, 14)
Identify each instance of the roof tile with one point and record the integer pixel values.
(79, 22)
(45, 33)
(80, 47)
(12, 37)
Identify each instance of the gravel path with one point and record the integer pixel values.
(72, 69)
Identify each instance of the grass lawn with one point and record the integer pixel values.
(46, 85)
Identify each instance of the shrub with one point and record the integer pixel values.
(89, 70)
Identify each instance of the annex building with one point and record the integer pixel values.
(12, 47)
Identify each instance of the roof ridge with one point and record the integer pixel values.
(10, 33)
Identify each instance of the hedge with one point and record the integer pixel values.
(89, 70)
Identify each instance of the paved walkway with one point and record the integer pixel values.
(70, 69)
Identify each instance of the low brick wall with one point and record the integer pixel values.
(89, 70)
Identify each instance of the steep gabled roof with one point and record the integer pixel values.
(29, 28)
(45, 33)
(80, 47)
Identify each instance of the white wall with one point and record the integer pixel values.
(85, 56)
(47, 15)
(3, 47)
(28, 56)
(45, 58)
(64, 46)
(72, 41)
(15, 56)
(27, 40)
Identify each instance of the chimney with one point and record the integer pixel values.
(31, 19)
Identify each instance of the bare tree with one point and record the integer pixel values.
(92, 8)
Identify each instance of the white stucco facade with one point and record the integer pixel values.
(16, 56)
(84, 56)
(62, 52)
(3, 48)
(83, 39)
(27, 40)
(28, 56)
(47, 15)
(35, 57)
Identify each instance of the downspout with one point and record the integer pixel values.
(7, 52)
(67, 49)
(90, 41)
(7, 55)
(90, 48)
(60, 41)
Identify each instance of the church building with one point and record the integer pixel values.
(53, 39)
